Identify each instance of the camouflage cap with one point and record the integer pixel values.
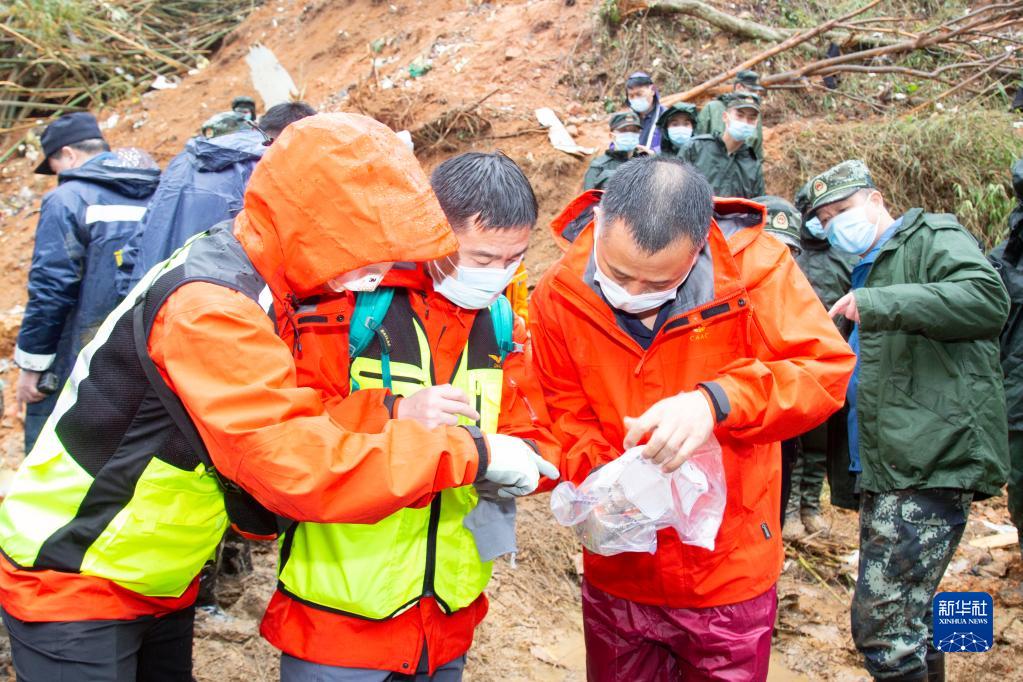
(244, 103)
(838, 183)
(684, 108)
(223, 123)
(783, 219)
(749, 79)
(622, 119)
(741, 100)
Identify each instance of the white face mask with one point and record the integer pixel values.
(472, 288)
(679, 135)
(639, 104)
(851, 231)
(741, 131)
(633, 304)
(363, 279)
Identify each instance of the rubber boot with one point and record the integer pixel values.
(935, 665)
(910, 677)
(813, 522)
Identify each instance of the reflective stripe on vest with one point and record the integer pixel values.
(111, 488)
(379, 570)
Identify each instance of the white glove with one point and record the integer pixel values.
(515, 466)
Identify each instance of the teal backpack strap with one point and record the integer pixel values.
(503, 317)
(370, 309)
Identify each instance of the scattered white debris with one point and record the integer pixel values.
(161, 82)
(558, 135)
(271, 80)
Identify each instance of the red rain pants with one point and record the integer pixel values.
(626, 640)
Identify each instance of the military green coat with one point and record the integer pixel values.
(828, 271)
(930, 400)
(730, 175)
(710, 122)
(603, 168)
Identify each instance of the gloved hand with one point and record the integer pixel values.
(515, 466)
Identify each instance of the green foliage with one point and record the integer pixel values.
(951, 162)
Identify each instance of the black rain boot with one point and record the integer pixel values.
(935, 665)
(909, 677)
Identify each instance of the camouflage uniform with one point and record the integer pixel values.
(603, 168)
(710, 121)
(907, 538)
(826, 448)
(740, 174)
(803, 458)
(927, 418)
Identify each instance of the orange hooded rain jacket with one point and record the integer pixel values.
(764, 338)
(334, 193)
(395, 644)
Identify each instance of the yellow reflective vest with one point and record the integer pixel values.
(379, 570)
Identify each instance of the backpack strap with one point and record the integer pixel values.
(367, 319)
(370, 309)
(503, 318)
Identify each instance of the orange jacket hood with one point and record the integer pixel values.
(334, 193)
(578, 216)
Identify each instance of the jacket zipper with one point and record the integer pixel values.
(434, 523)
(394, 377)
(431, 549)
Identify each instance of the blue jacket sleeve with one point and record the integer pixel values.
(125, 277)
(58, 261)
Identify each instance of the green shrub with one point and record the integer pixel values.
(950, 162)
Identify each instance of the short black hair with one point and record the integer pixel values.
(488, 187)
(278, 117)
(661, 200)
(95, 145)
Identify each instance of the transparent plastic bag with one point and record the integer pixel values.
(621, 506)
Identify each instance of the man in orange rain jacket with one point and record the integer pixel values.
(673, 316)
(340, 611)
(189, 390)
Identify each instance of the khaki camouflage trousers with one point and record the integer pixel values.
(907, 538)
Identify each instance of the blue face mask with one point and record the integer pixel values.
(851, 231)
(741, 131)
(626, 142)
(680, 135)
(639, 104)
(814, 227)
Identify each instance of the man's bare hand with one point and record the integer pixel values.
(678, 426)
(27, 390)
(846, 307)
(436, 406)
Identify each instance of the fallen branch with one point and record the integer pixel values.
(902, 47)
(810, 569)
(787, 44)
(960, 86)
(713, 16)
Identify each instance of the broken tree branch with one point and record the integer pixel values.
(958, 87)
(713, 16)
(787, 44)
(926, 39)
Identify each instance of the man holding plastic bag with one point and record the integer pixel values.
(672, 320)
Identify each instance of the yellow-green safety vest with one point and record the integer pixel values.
(379, 570)
(116, 486)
